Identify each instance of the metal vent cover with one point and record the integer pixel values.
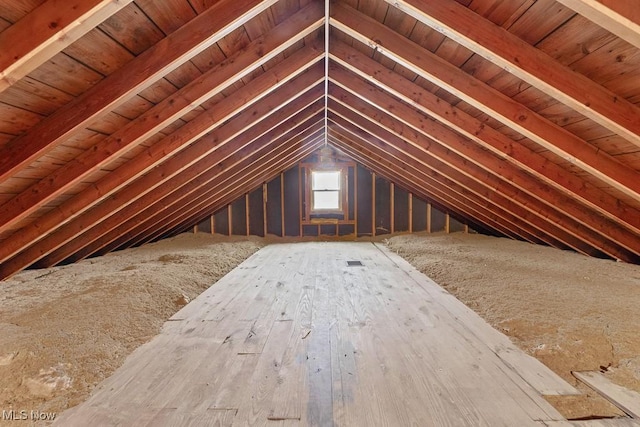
(354, 264)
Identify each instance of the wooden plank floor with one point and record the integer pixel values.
(295, 336)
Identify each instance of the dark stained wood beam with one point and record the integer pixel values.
(500, 144)
(175, 106)
(566, 213)
(47, 30)
(257, 90)
(270, 111)
(481, 96)
(524, 61)
(621, 18)
(170, 52)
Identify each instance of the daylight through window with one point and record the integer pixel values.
(325, 186)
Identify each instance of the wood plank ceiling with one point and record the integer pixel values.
(123, 121)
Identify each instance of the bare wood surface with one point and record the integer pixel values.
(523, 157)
(623, 398)
(213, 82)
(533, 372)
(140, 73)
(619, 17)
(47, 30)
(604, 422)
(529, 64)
(372, 158)
(188, 133)
(295, 336)
(397, 137)
(485, 98)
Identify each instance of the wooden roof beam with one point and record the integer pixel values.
(233, 190)
(621, 18)
(511, 216)
(47, 30)
(524, 61)
(462, 213)
(496, 187)
(427, 174)
(445, 202)
(416, 180)
(566, 212)
(212, 201)
(478, 179)
(472, 128)
(166, 55)
(273, 109)
(342, 139)
(175, 172)
(175, 106)
(485, 98)
(241, 167)
(257, 90)
(178, 209)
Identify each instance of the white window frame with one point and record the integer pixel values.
(339, 190)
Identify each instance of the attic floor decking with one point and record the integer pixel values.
(296, 336)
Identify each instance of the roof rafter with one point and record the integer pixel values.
(266, 108)
(486, 136)
(255, 91)
(252, 181)
(236, 170)
(171, 109)
(47, 30)
(189, 40)
(524, 61)
(188, 166)
(408, 154)
(372, 153)
(465, 174)
(207, 175)
(362, 152)
(485, 98)
(618, 17)
(565, 212)
(340, 139)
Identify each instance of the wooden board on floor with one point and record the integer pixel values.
(296, 335)
(623, 398)
(540, 377)
(604, 422)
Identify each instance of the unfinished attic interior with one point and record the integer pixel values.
(320, 213)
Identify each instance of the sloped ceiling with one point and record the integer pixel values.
(122, 121)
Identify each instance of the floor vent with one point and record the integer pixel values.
(354, 263)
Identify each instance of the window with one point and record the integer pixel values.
(325, 190)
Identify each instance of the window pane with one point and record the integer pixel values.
(326, 180)
(326, 200)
